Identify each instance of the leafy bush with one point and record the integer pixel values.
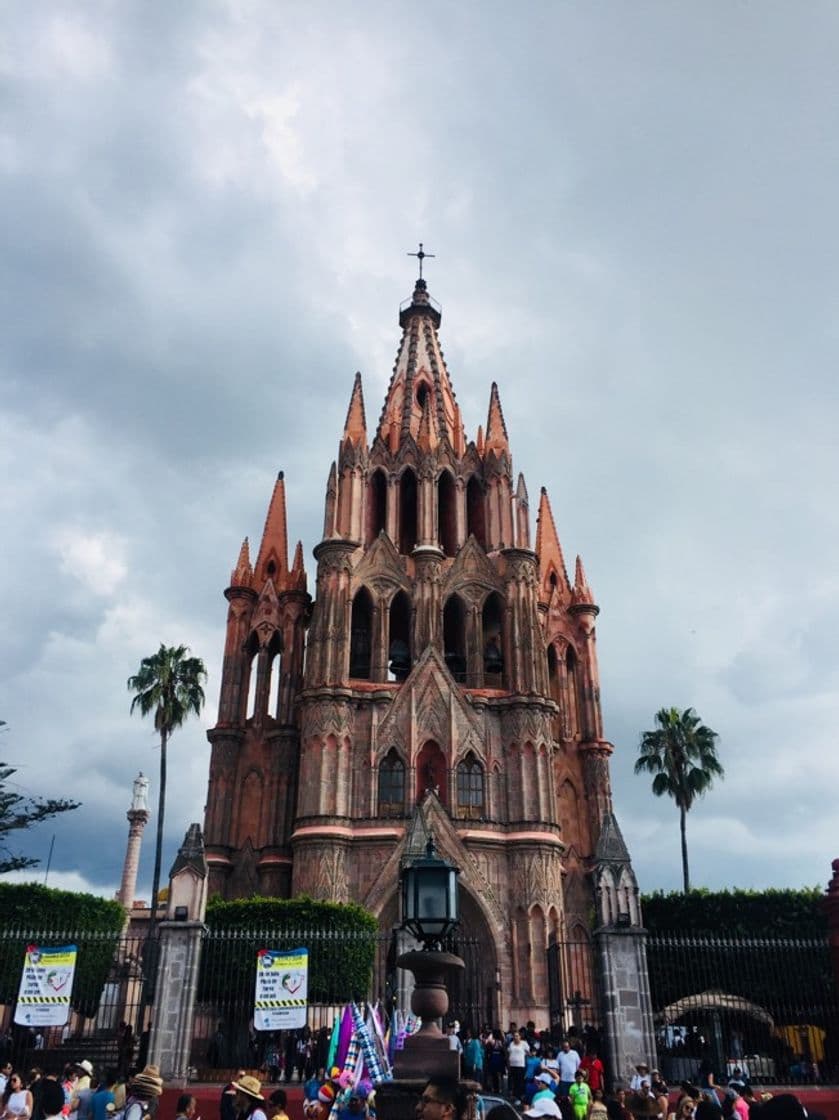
(341, 939)
(737, 913)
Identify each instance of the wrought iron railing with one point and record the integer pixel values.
(767, 1007)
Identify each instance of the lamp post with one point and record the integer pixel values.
(429, 912)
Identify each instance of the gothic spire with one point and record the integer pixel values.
(581, 595)
(420, 374)
(242, 574)
(496, 434)
(274, 546)
(552, 570)
(355, 427)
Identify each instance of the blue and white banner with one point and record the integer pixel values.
(282, 986)
(45, 986)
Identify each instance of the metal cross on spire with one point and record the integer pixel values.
(421, 255)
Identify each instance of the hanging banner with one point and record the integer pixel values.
(282, 983)
(45, 986)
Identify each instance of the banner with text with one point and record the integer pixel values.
(282, 982)
(45, 986)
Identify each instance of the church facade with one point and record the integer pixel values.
(443, 677)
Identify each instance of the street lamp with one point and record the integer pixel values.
(429, 898)
(429, 912)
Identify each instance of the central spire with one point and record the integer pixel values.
(420, 395)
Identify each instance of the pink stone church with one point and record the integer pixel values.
(443, 678)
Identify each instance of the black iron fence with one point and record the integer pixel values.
(766, 1007)
(573, 991)
(344, 965)
(109, 1001)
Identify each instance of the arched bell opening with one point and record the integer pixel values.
(275, 674)
(361, 635)
(572, 707)
(492, 633)
(475, 519)
(376, 505)
(447, 514)
(251, 670)
(454, 637)
(407, 511)
(399, 637)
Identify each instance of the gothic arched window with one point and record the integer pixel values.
(407, 511)
(470, 787)
(391, 785)
(361, 635)
(475, 523)
(447, 514)
(454, 637)
(376, 505)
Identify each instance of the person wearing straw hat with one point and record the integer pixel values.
(144, 1091)
(249, 1099)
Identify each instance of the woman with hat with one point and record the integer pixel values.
(249, 1099)
(144, 1090)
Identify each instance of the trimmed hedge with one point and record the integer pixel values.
(737, 913)
(31, 912)
(341, 939)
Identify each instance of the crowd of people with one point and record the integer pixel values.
(77, 1093)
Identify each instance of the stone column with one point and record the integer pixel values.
(625, 1000)
(170, 1040)
(177, 979)
(138, 816)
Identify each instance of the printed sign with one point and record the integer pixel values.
(45, 986)
(282, 983)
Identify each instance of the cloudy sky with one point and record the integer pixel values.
(206, 210)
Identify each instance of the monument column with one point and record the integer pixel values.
(138, 816)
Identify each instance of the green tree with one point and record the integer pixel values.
(681, 754)
(17, 811)
(169, 684)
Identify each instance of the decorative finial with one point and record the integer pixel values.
(421, 255)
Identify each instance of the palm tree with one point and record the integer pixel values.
(169, 684)
(681, 752)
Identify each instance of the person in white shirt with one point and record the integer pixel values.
(517, 1053)
(568, 1062)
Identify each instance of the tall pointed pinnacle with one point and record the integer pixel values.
(552, 570)
(273, 551)
(355, 427)
(496, 434)
(581, 595)
(297, 565)
(242, 574)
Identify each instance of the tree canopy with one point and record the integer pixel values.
(681, 754)
(168, 684)
(19, 811)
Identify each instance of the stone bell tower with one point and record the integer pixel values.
(451, 685)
